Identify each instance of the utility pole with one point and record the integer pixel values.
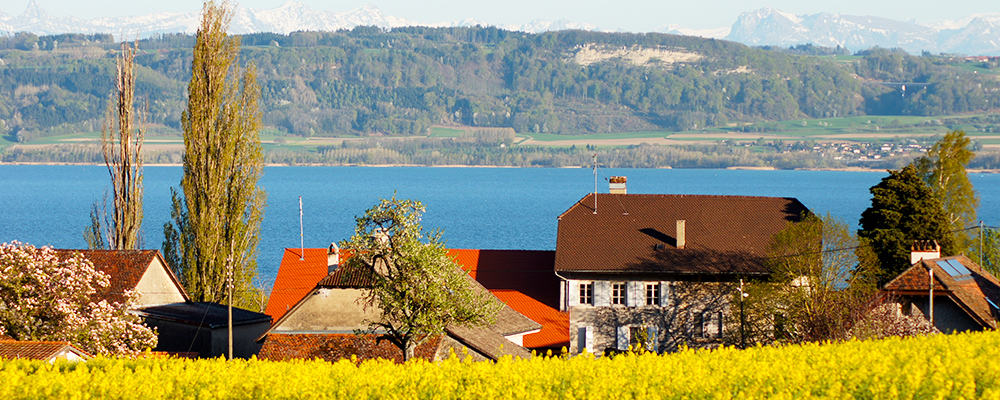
(229, 286)
(930, 307)
(743, 318)
(302, 236)
(595, 183)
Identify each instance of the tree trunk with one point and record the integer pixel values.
(409, 351)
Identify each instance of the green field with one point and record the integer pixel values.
(870, 128)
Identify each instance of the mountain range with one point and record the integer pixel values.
(974, 35)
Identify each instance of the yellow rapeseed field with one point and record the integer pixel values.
(936, 367)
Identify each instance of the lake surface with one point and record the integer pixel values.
(484, 208)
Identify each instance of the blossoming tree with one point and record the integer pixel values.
(45, 298)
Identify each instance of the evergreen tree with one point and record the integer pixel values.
(903, 209)
(216, 222)
(418, 288)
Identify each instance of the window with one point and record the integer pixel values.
(637, 336)
(711, 324)
(652, 294)
(587, 293)
(618, 293)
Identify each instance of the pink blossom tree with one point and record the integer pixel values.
(45, 298)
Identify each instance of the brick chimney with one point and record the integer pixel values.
(924, 249)
(680, 234)
(616, 184)
(332, 258)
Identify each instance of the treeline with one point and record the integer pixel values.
(401, 82)
(493, 148)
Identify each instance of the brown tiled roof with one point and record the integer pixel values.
(487, 342)
(973, 295)
(347, 277)
(333, 347)
(36, 350)
(637, 233)
(124, 268)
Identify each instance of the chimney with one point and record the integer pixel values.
(617, 184)
(680, 234)
(924, 249)
(332, 258)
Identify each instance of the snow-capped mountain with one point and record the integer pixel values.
(976, 35)
(675, 29)
(289, 17)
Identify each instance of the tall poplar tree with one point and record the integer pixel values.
(122, 137)
(216, 221)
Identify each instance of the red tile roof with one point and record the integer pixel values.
(503, 272)
(36, 350)
(637, 233)
(296, 278)
(124, 268)
(555, 324)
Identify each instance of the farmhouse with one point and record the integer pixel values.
(323, 324)
(659, 270)
(523, 279)
(954, 293)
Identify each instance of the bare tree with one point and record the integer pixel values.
(122, 137)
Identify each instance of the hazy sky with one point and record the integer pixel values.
(629, 15)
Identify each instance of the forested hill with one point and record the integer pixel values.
(368, 81)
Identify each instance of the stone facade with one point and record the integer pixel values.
(616, 314)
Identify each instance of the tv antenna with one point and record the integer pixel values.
(595, 183)
(302, 237)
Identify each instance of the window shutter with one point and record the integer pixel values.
(582, 338)
(651, 343)
(573, 298)
(665, 292)
(632, 293)
(719, 324)
(623, 338)
(602, 293)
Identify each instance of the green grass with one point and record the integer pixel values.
(547, 137)
(446, 132)
(973, 67)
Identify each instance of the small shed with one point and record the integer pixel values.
(202, 328)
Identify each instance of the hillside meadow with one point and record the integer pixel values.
(940, 367)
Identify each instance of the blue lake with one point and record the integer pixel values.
(486, 208)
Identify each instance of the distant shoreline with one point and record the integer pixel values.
(733, 168)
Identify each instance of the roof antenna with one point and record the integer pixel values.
(302, 237)
(595, 183)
